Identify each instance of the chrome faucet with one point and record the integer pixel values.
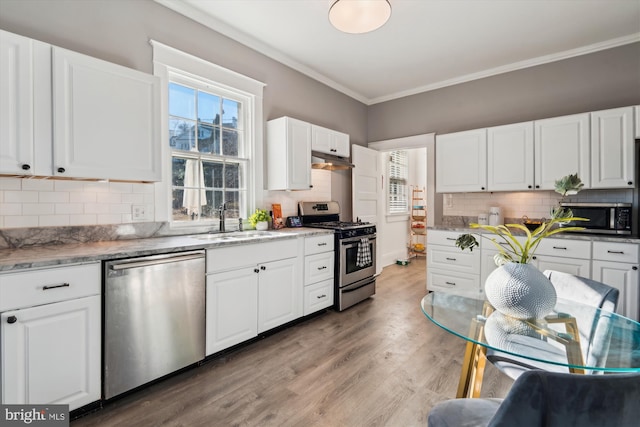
(221, 213)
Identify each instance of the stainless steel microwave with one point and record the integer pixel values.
(604, 218)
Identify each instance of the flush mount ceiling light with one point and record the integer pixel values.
(359, 16)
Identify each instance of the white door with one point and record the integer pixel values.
(279, 293)
(232, 308)
(366, 181)
(51, 353)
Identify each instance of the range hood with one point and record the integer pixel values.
(329, 162)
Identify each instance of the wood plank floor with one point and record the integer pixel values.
(380, 363)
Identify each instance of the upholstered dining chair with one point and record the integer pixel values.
(549, 399)
(592, 326)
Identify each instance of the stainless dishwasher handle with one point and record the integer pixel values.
(161, 260)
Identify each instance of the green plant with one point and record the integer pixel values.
(258, 216)
(511, 250)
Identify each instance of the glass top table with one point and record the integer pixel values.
(576, 337)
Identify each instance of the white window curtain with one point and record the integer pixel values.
(397, 188)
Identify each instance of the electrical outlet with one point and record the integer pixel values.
(138, 213)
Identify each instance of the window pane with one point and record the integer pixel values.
(182, 101)
(229, 143)
(213, 174)
(232, 199)
(217, 197)
(179, 212)
(182, 134)
(208, 139)
(177, 171)
(208, 108)
(232, 175)
(230, 114)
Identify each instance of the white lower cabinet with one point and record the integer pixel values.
(318, 273)
(251, 288)
(616, 264)
(565, 255)
(51, 347)
(450, 269)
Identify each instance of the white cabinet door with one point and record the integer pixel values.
(106, 120)
(575, 266)
(330, 141)
(461, 161)
(612, 149)
(279, 293)
(232, 308)
(25, 106)
(318, 296)
(624, 277)
(510, 157)
(288, 154)
(561, 148)
(51, 353)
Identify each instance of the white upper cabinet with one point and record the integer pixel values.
(461, 161)
(288, 154)
(510, 157)
(25, 106)
(636, 110)
(330, 141)
(612, 148)
(106, 120)
(562, 148)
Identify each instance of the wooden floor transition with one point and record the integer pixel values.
(379, 363)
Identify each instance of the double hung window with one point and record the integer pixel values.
(397, 188)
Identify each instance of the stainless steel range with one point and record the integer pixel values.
(355, 251)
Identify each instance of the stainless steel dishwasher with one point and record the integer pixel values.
(154, 318)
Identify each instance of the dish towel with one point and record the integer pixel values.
(363, 257)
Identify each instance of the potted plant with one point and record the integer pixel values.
(260, 219)
(517, 288)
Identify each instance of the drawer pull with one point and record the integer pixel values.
(560, 247)
(322, 244)
(450, 283)
(451, 259)
(12, 319)
(322, 268)
(451, 238)
(321, 296)
(616, 252)
(62, 285)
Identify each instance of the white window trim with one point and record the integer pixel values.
(168, 61)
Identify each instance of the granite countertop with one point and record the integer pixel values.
(51, 255)
(566, 235)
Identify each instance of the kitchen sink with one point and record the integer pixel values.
(236, 235)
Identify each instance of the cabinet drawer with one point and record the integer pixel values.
(453, 259)
(37, 287)
(453, 282)
(617, 252)
(318, 296)
(565, 248)
(231, 257)
(446, 238)
(317, 244)
(318, 267)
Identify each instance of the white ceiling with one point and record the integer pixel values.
(426, 44)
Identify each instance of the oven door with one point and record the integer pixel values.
(352, 267)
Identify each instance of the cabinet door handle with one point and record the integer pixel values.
(634, 268)
(450, 283)
(560, 247)
(616, 252)
(321, 296)
(26, 167)
(12, 319)
(255, 270)
(61, 285)
(451, 259)
(263, 268)
(322, 268)
(451, 238)
(322, 244)
(61, 170)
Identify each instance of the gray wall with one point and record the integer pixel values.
(596, 81)
(119, 31)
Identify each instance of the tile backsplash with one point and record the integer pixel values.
(32, 202)
(534, 204)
